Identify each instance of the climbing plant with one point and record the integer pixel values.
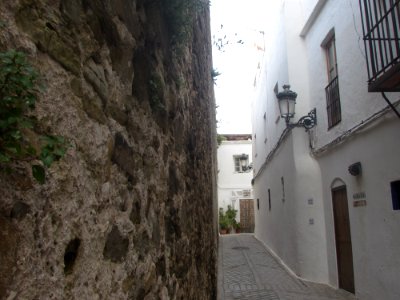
(220, 139)
(180, 15)
(214, 75)
(156, 88)
(18, 93)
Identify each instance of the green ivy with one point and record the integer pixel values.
(18, 93)
(17, 97)
(156, 88)
(180, 15)
(220, 139)
(214, 75)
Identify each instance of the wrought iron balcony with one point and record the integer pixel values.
(381, 30)
(333, 102)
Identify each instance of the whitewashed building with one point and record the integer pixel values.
(234, 177)
(328, 199)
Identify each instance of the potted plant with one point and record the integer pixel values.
(223, 222)
(227, 219)
(224, 227)
(237, 227)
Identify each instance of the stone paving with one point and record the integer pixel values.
(247, 270)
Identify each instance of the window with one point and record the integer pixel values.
(246, 193)
(265, 127)
(331, 59)
(332, 89)
(269, 199)
(241, 163)
(395, 188)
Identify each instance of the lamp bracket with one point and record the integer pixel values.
(308, 121)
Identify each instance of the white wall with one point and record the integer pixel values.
(300, 233)
(356, 103)
(264, 137)
(231, 183)
(374, 227)
(293, 229)
(376, 243)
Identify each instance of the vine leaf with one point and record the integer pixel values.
(39, 173)
(19, 85)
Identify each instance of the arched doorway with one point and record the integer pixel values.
(344, 252)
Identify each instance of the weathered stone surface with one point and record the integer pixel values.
(70, 255)
(19, 210)
(8, 254)
(128, 212)
(116, 246)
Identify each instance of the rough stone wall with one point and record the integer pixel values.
(128, 212)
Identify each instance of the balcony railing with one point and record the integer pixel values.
(333, 102)
(381, 30)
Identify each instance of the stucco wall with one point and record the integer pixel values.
(287, 228)
(230, 181)
(373, 225)
(294, 227)
(356, 103)
(264, 137)
(375, 241)
(311, 163)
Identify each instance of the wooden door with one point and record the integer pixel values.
(344, 251)
(247, 215)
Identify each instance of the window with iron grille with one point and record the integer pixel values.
(332, 89)
(241, 164)
(381, 30)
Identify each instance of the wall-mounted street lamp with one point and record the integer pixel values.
(287, 102)
(355, 169)
(243, 161)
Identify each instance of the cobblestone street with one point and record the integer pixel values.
(248, 271)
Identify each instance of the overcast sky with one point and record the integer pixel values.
(242, 21)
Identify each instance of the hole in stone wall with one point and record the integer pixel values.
(116, 246)
(71, 252)
(19, 210)
(48, 25)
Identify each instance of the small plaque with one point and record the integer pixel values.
(360, 195)
(359, 203)
(311, 221)
(310, 201)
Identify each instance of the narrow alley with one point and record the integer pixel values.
(247, 270)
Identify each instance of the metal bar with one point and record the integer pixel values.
(338, 114)
(333, 102)
(373, 54)
(384, 21)
(394, 34)
(390, 13)
(364, 16)
(381, 27)
(391, 105)
(385, 39)
(328, 106)
(395, 25)
(378, 30)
